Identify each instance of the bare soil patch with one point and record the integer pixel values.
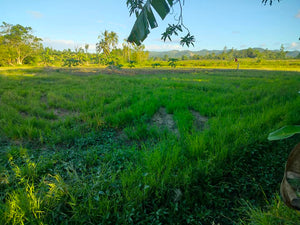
(23, 113)
(200, 122)
(62, 112)
(162, 119)
(86, 71)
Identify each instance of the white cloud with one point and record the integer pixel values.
(35, 14)
(59, 44)
(164, 47)
(67, 44)
(118, 25)
(174, 40)
(92, 48)
(298, 14)
(112, 24)
(294, 46)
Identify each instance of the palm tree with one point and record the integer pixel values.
(127, 49)
(107, 42)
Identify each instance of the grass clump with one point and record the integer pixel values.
(276, 212)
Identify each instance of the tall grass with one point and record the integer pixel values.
(75, 145)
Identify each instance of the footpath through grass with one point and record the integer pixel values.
(88, 148)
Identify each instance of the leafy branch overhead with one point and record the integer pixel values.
(146, 19)
(270, 1)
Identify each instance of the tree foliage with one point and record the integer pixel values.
(107, 42)
(18, 43)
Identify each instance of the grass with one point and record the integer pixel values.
(244, 63)
(276, 213)
(81, 149)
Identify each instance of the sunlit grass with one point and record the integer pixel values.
(75, 145)
(275, 213)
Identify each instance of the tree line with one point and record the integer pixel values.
(18, 46)
(231, 54)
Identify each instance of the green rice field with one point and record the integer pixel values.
(88, 146)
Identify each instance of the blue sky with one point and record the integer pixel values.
(235, 24)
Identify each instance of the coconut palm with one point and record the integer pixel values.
(107, 42)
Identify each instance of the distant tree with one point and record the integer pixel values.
(173, 62)
(139, 54)
(282, 53)
(4, 54)
(19, 42)
(184, 57)
(196, 57)
(47, 56)
(165, 58)
(86, 47)
(223, 55)
(230, 54)
(213, 55)
(127, 50)
(79, 55)
(107, 42)
(251, 53)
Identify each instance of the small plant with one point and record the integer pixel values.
(71, 62)
(132, 64)
(155, 65)
(172, 62)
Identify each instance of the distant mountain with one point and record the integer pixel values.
(292, 54)
(188, 53)
(179, 54)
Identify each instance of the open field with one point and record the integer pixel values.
(246, 63)
(147, 66)
(78, 146)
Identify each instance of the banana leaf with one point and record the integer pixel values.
(146, 19)
(284, 132)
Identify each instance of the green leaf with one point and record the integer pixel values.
(151, 18)
(187, 40)
(146, 18)
(170, 2)
(284, 132)
(140, 29)
(161, 7)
